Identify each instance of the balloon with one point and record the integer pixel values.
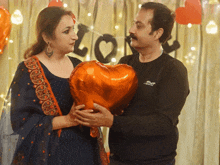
(191, 13)
(5, 27)
(109, 86)
(55, 3)
(60, 4)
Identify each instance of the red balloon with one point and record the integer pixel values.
(55, 3)
(5, 27)
(191, 13)
(60, 4)
(110, 86)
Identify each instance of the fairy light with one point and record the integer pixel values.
(2, 96)
(189, 25)
(9, 58)
(120, 15)
(113, 59)
(190, 59)
(116, 27)
(193, 48)
(65, 5)
(211, 27)
(11, 41)
(91, 27)
(139, 6)
(9, 104)
(88, 57)
(89, 14)
(16, 17)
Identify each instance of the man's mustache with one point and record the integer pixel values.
(133, 36)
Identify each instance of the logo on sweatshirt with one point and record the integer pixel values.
(149, 83)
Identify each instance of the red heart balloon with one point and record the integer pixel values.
(55, 3)
(110, 86)
(191, 13)
(5, 27)
(60, 4)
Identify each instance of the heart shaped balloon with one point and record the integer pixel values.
(55, 3)
(5, 27)
(191, 13)
(110, 86)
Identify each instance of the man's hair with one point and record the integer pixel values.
(163, 18)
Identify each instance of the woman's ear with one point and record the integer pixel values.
(158, 33)
(45, 38)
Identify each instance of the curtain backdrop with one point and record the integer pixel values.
(199, 51)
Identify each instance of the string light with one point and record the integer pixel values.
(121, 50)
(16, 17)
(120, 15)
(190, 59)
(139, 6)
(91, 27)
(193, 48)
(11, 41)
(113, 59)
(2, 96)
(87, 57)
(211, 27)
(116, 27)
(89, 14)
(65, 5)
(9, 58)
(189, 25)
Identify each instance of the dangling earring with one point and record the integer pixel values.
(47, 51)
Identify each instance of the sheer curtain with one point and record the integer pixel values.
(199, 120)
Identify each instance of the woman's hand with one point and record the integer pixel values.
(101, 117)
(68, 120)
(71, 116)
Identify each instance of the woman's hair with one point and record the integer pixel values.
(47, 21)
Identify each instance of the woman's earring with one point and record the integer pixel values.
(49, 51)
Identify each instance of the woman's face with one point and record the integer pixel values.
(65, 36)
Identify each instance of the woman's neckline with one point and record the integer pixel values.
(42, 64)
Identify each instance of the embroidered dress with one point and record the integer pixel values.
(37, 96)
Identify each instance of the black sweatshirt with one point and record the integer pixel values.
(146, 133)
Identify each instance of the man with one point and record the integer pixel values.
(146, 133)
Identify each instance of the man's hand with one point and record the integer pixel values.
(102, 117)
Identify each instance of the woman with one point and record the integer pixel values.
(41, 102)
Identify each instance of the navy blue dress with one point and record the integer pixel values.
(38, 143)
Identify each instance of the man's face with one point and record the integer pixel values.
(141, 29)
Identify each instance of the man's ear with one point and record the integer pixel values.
(158, 33)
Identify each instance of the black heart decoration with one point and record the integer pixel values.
(99, 56)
